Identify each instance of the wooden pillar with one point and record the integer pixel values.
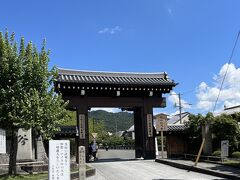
(144, 136)
(138, 128)
(148, 131)
(82, 123)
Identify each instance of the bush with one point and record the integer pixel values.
(236, 154)
(216, 153)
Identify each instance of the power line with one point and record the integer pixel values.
(230, 59)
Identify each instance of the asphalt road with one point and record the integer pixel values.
(114, 165)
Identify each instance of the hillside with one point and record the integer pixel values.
(123, 120)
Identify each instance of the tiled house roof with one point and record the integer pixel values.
(176, 118)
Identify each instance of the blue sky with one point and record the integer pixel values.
(190, 40)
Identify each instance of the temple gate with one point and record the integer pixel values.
(138, 92)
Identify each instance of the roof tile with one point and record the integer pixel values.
(114, 78)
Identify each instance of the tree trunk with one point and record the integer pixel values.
(12, 170)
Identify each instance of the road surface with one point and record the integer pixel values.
(118, 167)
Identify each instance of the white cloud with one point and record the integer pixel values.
(230, 93)
(112, 110)
(158, 111)
(105, 30)
(173, 98)
(110, 30)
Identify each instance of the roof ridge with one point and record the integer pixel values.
(67, 71)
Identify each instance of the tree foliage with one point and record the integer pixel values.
(194, 126)
(121, 120)
(223, 127)
(27, 98)
(99, 128)
(226, 128)
(103, 137)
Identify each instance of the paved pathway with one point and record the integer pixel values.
(109, 167)
(114, 155)
(142, 170)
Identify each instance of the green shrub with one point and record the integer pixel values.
(236, 154)
(216, 153)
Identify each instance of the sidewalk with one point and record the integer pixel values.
(219, 170)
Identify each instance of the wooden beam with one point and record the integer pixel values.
(119, 102)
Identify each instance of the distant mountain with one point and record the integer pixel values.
(120, 121)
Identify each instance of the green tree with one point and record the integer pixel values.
(27, 98)
(195, 123)
(194, 126)
(226, 128)
(99, 128)
(114, 140)
(121, 120)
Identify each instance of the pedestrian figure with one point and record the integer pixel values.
(107, 147)
(94, 150)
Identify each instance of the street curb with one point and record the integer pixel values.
(197, 169)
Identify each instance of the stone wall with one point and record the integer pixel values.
(4, 158)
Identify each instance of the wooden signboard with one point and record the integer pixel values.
(161, 123)
(150, 125)
(82, 126)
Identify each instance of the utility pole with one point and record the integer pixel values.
(180, 107)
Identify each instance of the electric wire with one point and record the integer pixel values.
(229, 61)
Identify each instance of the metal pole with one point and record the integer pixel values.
(156, 146)
(180, 107)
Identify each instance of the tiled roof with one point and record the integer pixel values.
(171, 127)
(175, 127)
(176, 118)
(119, 78)
(229, 110)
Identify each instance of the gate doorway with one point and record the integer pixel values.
(108, 128)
